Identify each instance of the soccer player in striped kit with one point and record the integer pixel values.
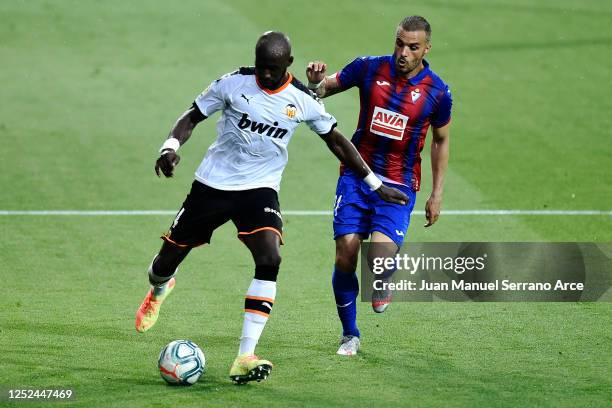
(401, 97)
(238, 180)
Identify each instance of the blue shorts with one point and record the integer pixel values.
(358, 210)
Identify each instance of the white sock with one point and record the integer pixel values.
(258, 304)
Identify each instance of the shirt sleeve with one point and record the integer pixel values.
(442, 115)
(352, 74)
(213, 98)
(317, 118)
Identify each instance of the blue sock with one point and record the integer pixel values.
(346, 289)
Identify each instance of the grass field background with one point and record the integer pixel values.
(89, 91)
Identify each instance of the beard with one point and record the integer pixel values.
(406, 66)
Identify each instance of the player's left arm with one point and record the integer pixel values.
(439, 163)
(346, 152)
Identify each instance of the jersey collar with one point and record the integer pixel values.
(415, 79)
(277, 90)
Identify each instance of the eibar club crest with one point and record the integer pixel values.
(415, 95)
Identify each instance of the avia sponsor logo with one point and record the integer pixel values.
(273, 211)
(388, 123)
(261, 128)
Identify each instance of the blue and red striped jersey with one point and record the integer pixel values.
(395, 115)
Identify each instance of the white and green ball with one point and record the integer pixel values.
(181, 362)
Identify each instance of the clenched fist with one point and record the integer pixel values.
(167, 161)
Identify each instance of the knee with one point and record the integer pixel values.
(272, 259)
(267, 263)
(382, 259)
(346, 261)
(347, 253)
(382, 250)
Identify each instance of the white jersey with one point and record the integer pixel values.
(254, 130)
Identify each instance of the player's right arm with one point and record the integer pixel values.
(320, 84)
(179, 134)
(205, 104)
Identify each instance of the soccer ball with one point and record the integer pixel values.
(181, 362)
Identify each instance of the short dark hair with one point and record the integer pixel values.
(273, 43)
(416, 23)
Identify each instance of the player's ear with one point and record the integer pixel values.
(427, 48)
(289, 60)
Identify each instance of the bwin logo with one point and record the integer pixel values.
(261, 128)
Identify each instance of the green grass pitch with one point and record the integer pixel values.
(90, 89)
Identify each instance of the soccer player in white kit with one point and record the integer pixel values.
(239, 179)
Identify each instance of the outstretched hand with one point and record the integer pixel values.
(167, 161)
(432, 210)
(392, 195)
(315, 71)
